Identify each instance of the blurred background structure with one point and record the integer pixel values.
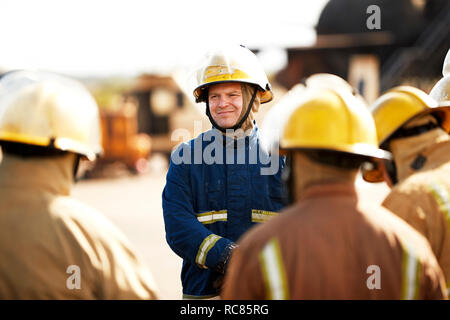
(409, 48)
(137, 58)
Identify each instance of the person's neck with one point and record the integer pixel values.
(244, 131)
(308, 173)
(52, 174)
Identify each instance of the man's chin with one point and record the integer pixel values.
(226, 124)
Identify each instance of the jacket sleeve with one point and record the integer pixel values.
(186, 236)
(424, 209)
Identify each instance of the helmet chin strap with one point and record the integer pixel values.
(76, 165)
(237, 125)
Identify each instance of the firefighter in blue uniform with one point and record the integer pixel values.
(222, 182)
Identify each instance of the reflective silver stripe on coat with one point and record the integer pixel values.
(273, 271)
(262, 215)
(411, 272)
(212, 216)
(204, 248)
(442, 197)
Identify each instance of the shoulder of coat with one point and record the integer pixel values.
(73, 213)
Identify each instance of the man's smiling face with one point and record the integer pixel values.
(225, 103)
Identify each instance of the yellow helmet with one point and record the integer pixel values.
(400, 105)
(232, 64)
(45, 109)
(271, 127)
(332, 119)
(274, 118)
(396, 108)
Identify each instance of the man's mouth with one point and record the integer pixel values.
(225, 112)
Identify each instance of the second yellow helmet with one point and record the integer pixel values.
(398, 106)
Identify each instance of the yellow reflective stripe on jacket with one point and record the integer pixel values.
(212, 216)
(410, 273)
(442, 197)
(262, 215)
(448, 290)
(204, 248)
(273, 271)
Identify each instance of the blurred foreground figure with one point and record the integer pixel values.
(51, 245)
(415, 129)
(329, 245)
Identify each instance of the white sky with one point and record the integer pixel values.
(126, 37)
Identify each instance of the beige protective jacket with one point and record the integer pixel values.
(330, 246)
(422, 197)
(54, 247)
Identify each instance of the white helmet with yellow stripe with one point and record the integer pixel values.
(441, 90)
(232, 64)
(49, 110)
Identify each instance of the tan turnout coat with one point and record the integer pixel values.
(54, 247)
(422, 197)
(330, 246)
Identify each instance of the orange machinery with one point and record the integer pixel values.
(121, 140)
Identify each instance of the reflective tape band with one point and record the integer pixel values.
(442, 197)
(204, 248)
(224, 73)
(411, 273)
(274, 275)
(212, 216)
(262, 215)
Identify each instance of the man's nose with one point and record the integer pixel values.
(223, 101)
